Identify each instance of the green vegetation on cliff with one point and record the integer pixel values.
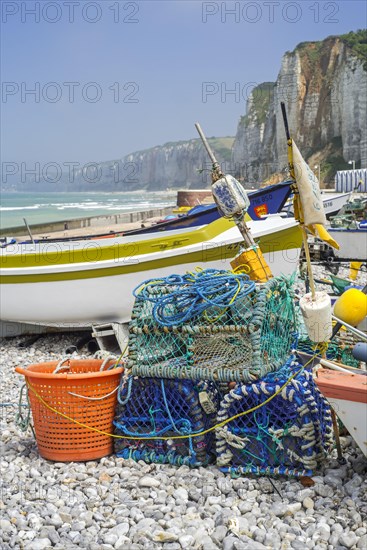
(357, 41)
(259, 107)
(312, 51)
(222, 146)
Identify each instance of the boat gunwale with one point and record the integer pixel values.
(213, 233)
(284, 239)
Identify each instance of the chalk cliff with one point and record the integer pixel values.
(177, 164)
(324, 87)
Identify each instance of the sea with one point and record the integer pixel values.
(51, 207)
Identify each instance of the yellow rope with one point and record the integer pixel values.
(220, 425)
(119, 359)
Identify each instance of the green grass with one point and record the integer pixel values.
(220, 145)
(357, 42)
(259, 109)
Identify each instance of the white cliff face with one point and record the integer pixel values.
(173, 165)
(351, 85)
(176, 164)
(324, 88)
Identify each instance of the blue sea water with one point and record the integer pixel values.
(50, 207)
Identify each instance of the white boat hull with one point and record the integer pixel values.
(347, 394)
(332, 202)
(98, 291)
(352, 243)
(99, 300)
(354, 417)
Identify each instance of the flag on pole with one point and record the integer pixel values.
(308, 204)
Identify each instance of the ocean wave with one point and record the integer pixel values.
(109, 206)
(94, 206)
(10, 208)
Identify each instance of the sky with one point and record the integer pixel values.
(92, 81)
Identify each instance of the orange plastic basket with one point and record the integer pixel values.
(59, 438)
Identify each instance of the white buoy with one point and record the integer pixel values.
(317, 316)
(230, 197)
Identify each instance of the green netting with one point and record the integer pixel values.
(212, 325)
(337, 350)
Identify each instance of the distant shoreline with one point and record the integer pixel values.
(137, 192)
(42, 209)
(83, 225)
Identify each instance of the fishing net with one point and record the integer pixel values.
(151, 408)
(289, 434)
(211, 325)
(337, 350)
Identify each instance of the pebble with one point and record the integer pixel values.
(219, 533)
(348, 539)
(39, 544)
(308, 503)
(114, 504)
(186, 541)
(229, 543)
(148, 481)
(181, 494)
(120, 530)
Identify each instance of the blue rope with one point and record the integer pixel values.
(193, 294)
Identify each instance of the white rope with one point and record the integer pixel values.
(106, 360)
(93, 398)
(263, 388)
(60, 365)
(232, 439)
(224, 458)
(291, 394)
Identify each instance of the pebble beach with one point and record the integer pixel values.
(119, 504)
(125, 505)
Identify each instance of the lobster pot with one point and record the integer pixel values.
(241, 341)
(290, 434)
(152, 409)
(338, 350)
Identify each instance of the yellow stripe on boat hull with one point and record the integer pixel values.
(286, 239)
(100, 250)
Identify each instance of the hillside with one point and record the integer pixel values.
(324, 87)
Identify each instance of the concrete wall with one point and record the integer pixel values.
(95, 221)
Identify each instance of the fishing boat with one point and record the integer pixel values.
(347, 394)
(332, 202)
(264, 201)
(353, 211)
(83, 282)
(352, 242)
(349, 229)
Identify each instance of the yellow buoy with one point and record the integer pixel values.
(253, 263)
(354, 270)
(351, 307)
